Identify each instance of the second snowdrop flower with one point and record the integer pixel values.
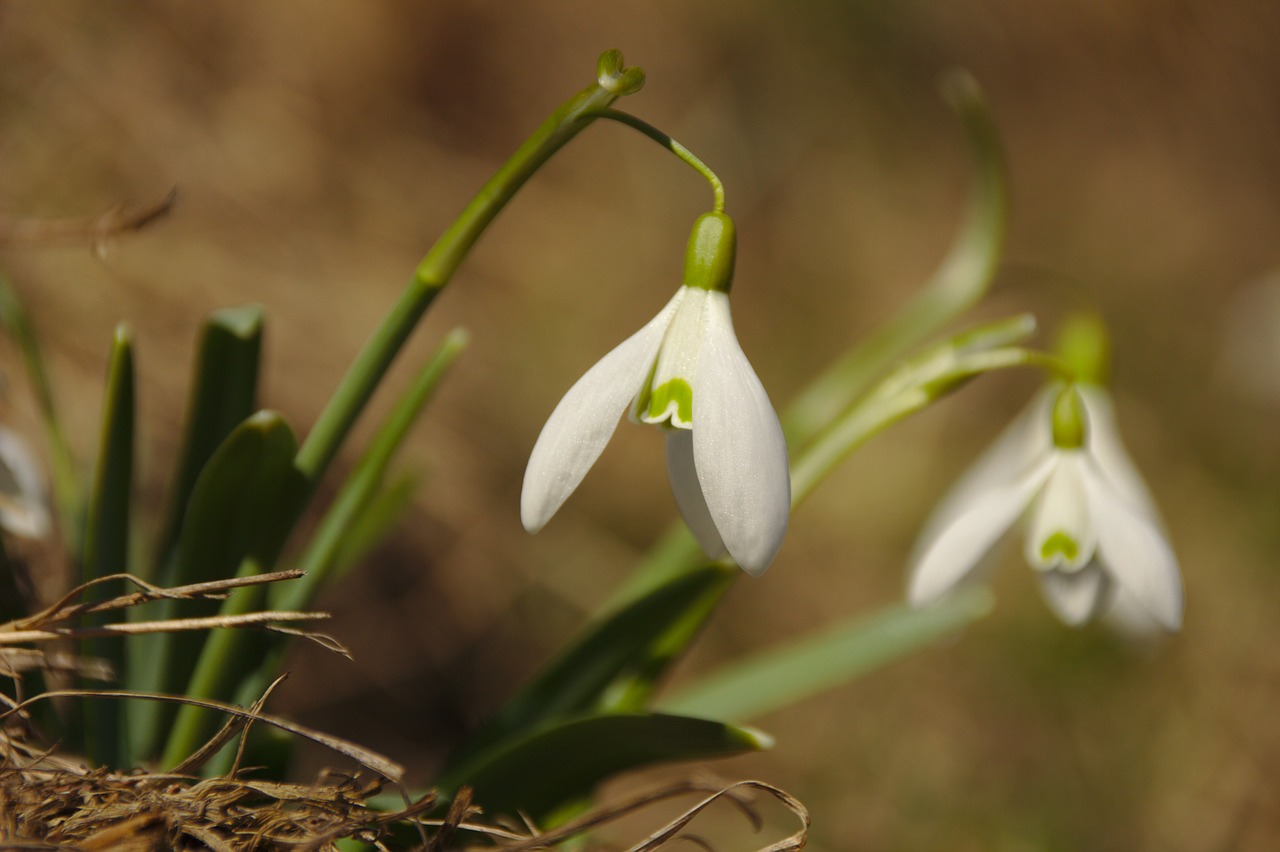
(1094, 537)
(685, 372)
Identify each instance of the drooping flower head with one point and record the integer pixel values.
(1094, 536)
(684, 372)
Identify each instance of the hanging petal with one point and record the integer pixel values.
(1108, 451)
(688, 493)
(738, 448)
(1134, 550)
(1076, 596)
(1023, 444)
(583, 422)
(956, 549)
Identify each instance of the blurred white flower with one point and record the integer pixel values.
(684, 371)
(1094, 536)
(23, 510)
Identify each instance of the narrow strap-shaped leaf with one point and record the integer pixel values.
(106, 546)
(611, 657)
(362, 486)
(223, 393)
(564, 759)
(231, 501)
(228, 656)
(956, 285)
(794, 671)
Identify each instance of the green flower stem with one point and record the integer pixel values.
(444, 258)
(717, 188)
(880, 411)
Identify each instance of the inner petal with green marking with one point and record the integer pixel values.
(1060, 545)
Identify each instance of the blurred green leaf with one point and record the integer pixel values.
(106, 547)
(914, 385)
(230, 504)
(223, 393)
(374, 523)
(956, 285)
(614, 662)
(66, 480)
(564, 759)
(797, 670)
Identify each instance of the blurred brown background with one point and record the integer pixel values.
(319, 148)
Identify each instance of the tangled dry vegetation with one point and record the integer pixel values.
(51, 801)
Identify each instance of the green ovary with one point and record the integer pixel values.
(671, 401)
(1060, 543)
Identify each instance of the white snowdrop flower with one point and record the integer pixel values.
(23, 510)
(685, 372)
(1093, 536)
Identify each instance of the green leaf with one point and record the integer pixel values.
(956, 285)
(223, 393)
(231, 503)
(66, 480)
(795, 671)
(360, 488)
(564, 759)
(913, 386)
(106, 549)
(228, 656)
(614, 663)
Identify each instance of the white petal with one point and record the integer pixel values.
(738, 448)
(22, 492)
(956, 549)
(1134, 550)
(1024, 443)
(1109, 453)
(1060, 521)
(1076, 596)
(688, 493)
(583, 422)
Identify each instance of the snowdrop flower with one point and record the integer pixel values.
(1094, 536)
(684, 372)
(22, 492)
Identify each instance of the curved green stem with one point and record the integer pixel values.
(687, 156)
(444, 258)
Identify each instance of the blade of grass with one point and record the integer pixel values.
(792, 672)
(106, 547)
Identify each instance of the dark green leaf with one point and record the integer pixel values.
(563, 760)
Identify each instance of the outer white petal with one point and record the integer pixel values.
(1024, 443)
(972, 531)
(1076, 596)
(1109, 453)
(738, 448)
(688, 493)
(22, 492)
(1134, 550)
(576, 432)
